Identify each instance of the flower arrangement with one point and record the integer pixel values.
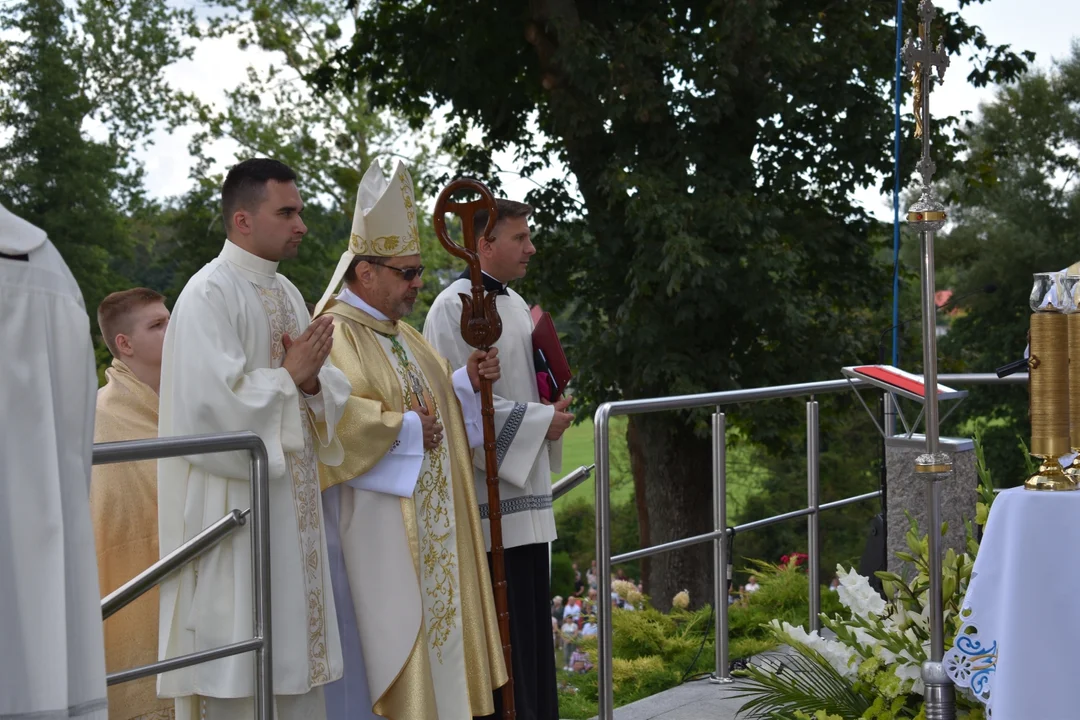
(795, 559)
(872, 669)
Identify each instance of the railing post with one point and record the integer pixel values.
(720, 546)
(260, 571)
(813, 499)
(605, 688)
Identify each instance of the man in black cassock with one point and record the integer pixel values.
(529, 448)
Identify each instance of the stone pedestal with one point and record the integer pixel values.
(907, 493)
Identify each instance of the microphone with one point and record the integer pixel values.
(1013, 367)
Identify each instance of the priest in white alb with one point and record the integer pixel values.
(240, 355)
(52, 660)
(414, 597)
(528, 448)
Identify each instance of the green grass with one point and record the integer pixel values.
(578, 451)
(745, 474)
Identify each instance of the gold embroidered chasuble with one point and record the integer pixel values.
(420, 559)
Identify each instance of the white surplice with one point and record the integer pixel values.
(367, 505)
(52, 657)
(526, 458)
(222, 372)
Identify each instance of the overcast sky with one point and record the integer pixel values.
(1045, 26)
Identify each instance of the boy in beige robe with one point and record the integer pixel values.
(123, 497)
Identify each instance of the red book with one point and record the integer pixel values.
(549, 356)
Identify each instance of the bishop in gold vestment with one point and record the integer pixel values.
(407, 552)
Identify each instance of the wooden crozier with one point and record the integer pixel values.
(481, 328)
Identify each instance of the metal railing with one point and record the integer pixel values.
(721, 533)
(260, 643)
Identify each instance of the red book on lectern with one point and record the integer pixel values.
(548, 355)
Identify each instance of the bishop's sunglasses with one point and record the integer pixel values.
(407, 274)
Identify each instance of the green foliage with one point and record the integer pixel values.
(330, 138)
(562, 575)
(576, 523)
(869, 671)
(653, 650)
(1015, 212)
(577, 450)
(850, 464)
(715, 150)
(782, 596)
(64, 66)
(790, 685)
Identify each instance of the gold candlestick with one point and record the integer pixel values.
(1049, 379)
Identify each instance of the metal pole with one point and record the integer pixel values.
(890, 415)
(720, 548)
(928, 216)
(712, 535)
(939, 693)
(889, 423)
(813, 498)
(570, 481)
(929, 323)
(260, 570)
(151, 576)
(605, 688)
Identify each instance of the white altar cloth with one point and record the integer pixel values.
(1016, 651)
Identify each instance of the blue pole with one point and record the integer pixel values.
(896, 192)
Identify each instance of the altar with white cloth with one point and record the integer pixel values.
(1017, 648)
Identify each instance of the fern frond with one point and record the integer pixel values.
(804, 681)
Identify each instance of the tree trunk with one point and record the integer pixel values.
(676, 465)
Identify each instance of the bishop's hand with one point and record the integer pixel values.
(483, 364)
(429, 426)
(305, 355)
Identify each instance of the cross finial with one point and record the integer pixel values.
(921, 59)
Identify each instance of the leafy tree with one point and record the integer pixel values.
(1015, 211)
(330, 139)
(61, 68)
(715, 147)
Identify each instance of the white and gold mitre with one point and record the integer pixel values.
(384, 222)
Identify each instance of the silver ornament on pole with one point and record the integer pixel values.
(927, 216)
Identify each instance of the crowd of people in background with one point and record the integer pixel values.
(575, 618)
